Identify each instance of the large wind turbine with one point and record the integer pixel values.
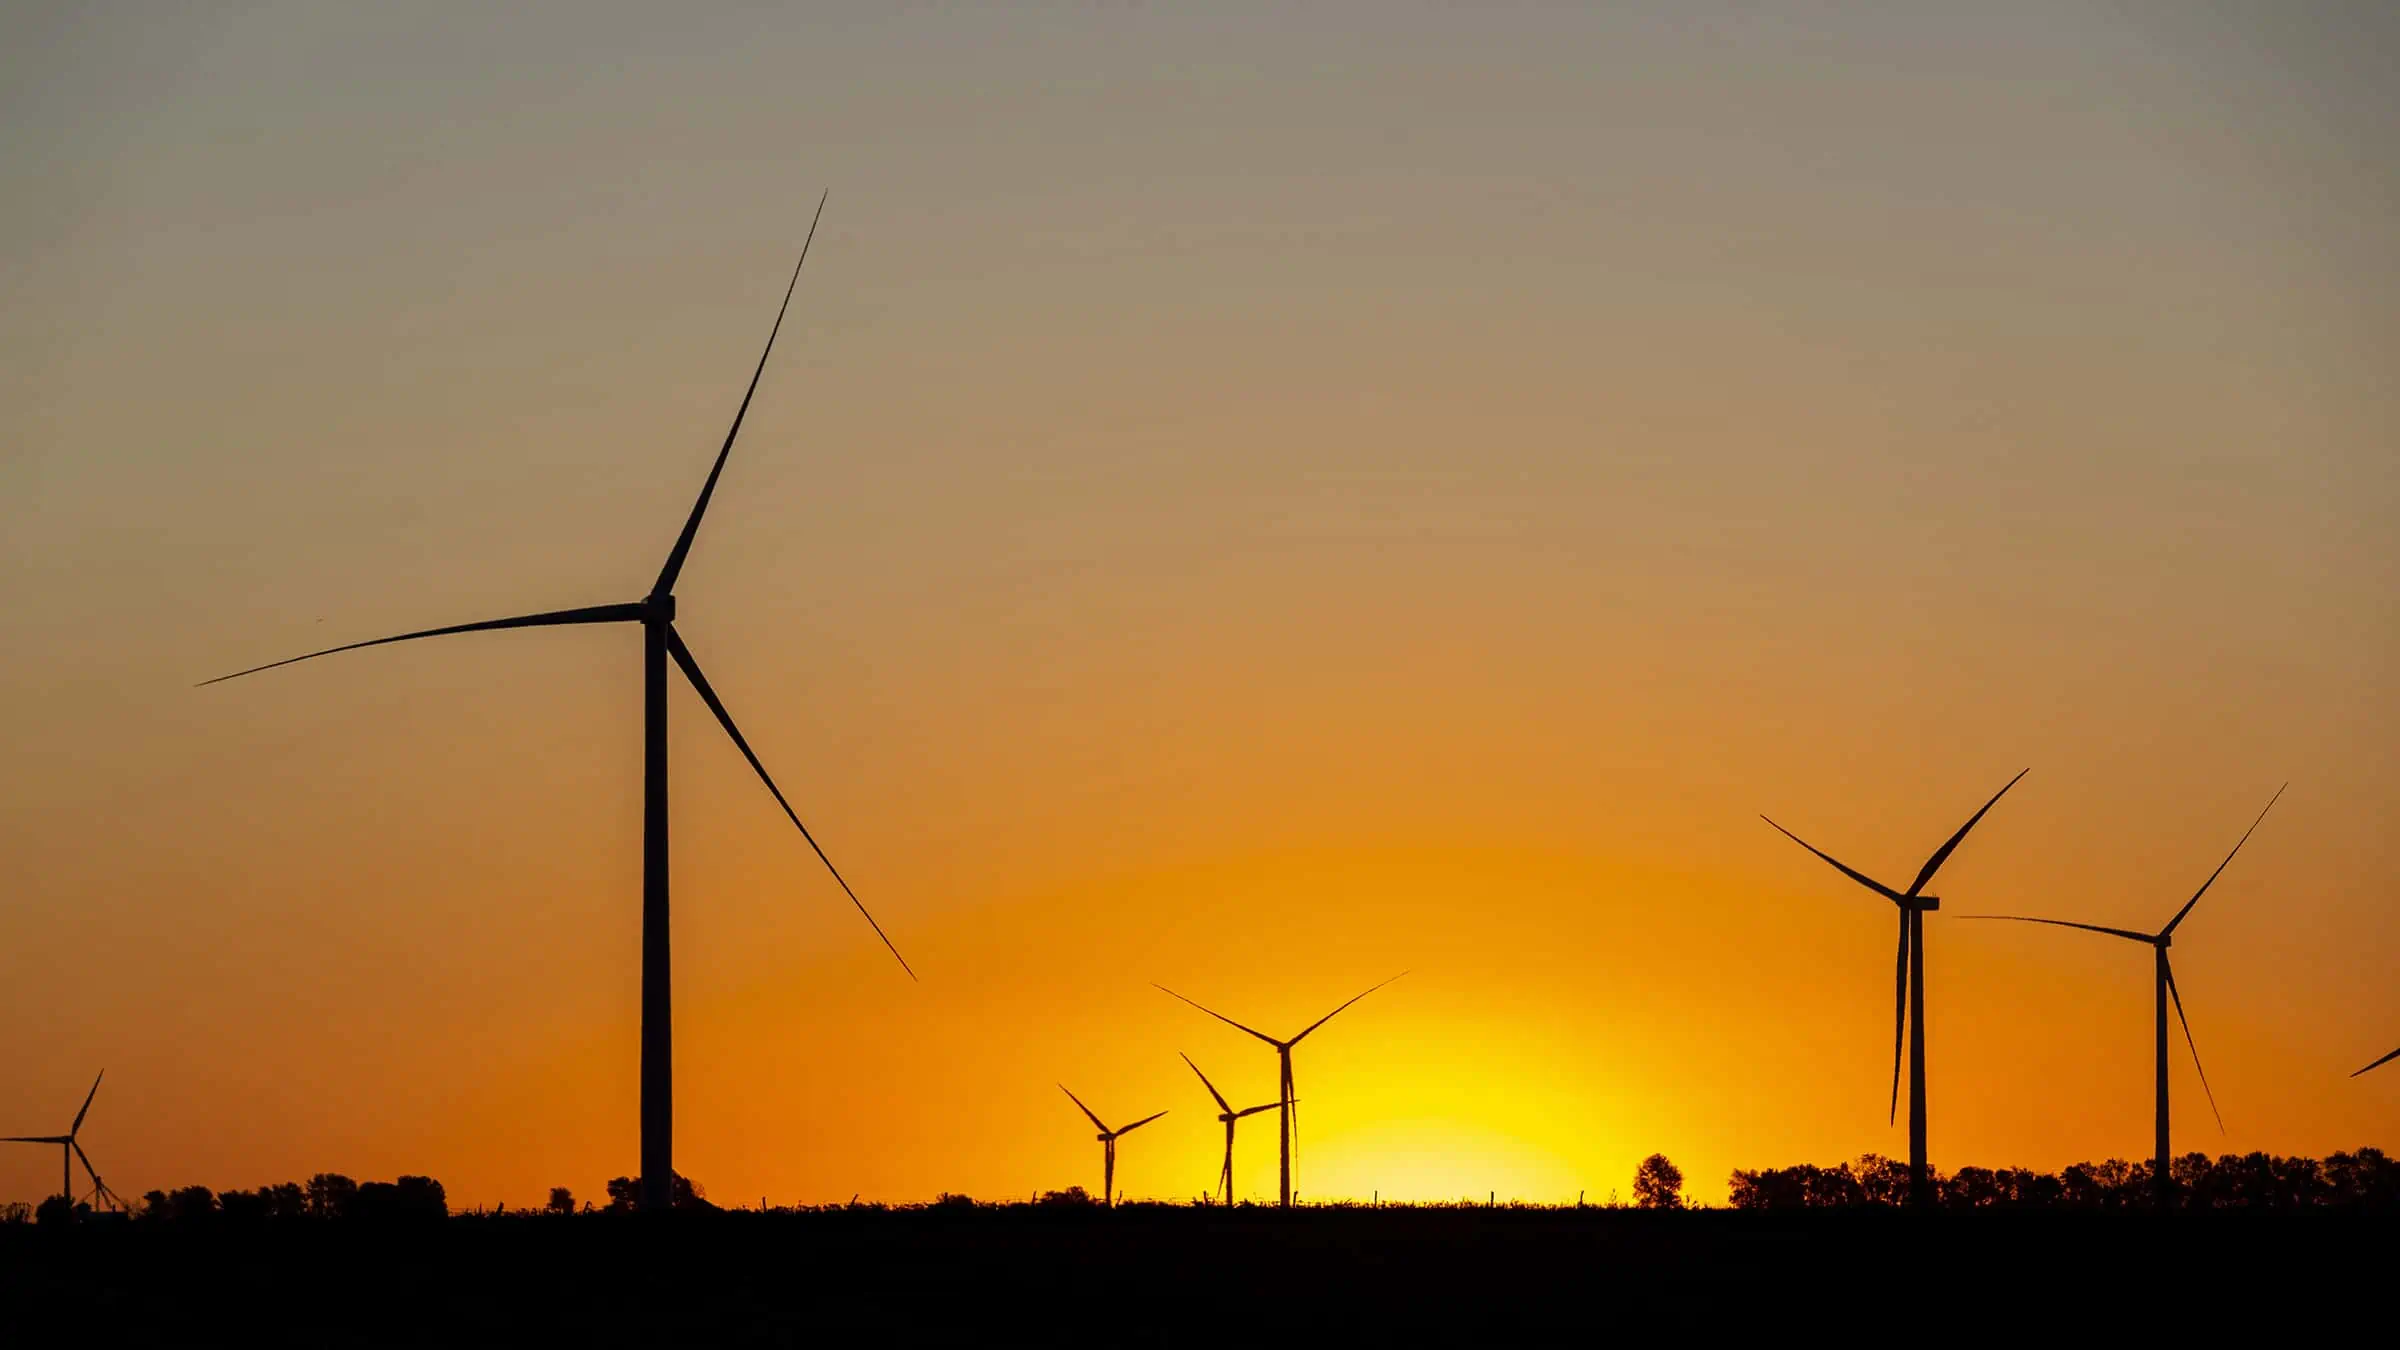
(1908, 997)
(1226, 1113)
(68, 1149)
(1108, 1146)
(655, 612)
(2163, 980)
(1288, 1126)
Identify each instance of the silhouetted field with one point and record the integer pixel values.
(1168, 1274)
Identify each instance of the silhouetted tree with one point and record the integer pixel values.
(284, 1200)
(56, 1212)
(16, 1211)
(1658, 1183)
(562, 1200)
(242, 1206)
(330, 1195)
(1070, 1198)
(191, 1204)
(1881, 1180)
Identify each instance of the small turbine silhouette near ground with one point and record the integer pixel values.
(70, 1151)
(1287, 1119)
(1227, 1114)
(2163, 979)
(1908, 997)
(1108, 1146)
(655, 612)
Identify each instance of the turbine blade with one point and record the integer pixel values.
(591, 614)
(2145, 938)
(1899, 1017)
(87, 1104)
(1219, 1016)
(1087, 1111)
(1272, 1105)
(88, 1169)
(691, 527)
(1942, 854)
(35, 1139)
(1330, 1016)
(2212, 877)
(1138, 1124)
(2380, 1063)
(691, 671)
(1844, 868)
(1222, 1104)
(1291, 1106)
(2177, 995)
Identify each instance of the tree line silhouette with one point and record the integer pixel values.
(2236, 1181)
(2364, 1180)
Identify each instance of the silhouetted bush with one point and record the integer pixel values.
(1073, 1197)
(562, 1200)
(625, 1194)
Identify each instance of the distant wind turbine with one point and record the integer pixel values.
(1226, 1113)
(2163, 980)
(1908, 998)
(69, 1150)
(655, 612)
(1286, 1119)
(1108, 1146)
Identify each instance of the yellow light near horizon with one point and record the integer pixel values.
(1435, 1159)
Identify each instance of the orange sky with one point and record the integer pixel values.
(1253, 503)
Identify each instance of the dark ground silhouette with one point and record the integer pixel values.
(1152, 1274)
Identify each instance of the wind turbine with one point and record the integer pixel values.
(655, 612)
(1287, 1124)
(2163, 980)
(68, 1149)
(1108, 1146)
(1226, 1113)
(1908, 977)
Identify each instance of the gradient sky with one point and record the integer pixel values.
(1254, 499)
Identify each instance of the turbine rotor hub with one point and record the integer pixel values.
(1929, 902)
(658, 609)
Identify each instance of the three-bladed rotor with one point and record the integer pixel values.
(657, 610)
(2160, 941)
(70, 1147)
(1289, 1142)
(1912, 903)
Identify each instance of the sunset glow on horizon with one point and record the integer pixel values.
(1248, 502)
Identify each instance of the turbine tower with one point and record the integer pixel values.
(1108, 1146)
(2163, 982)
(1226, 1113)
(1286, 1119)
(68, 1149)
(1908, 996)
(655, 612)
